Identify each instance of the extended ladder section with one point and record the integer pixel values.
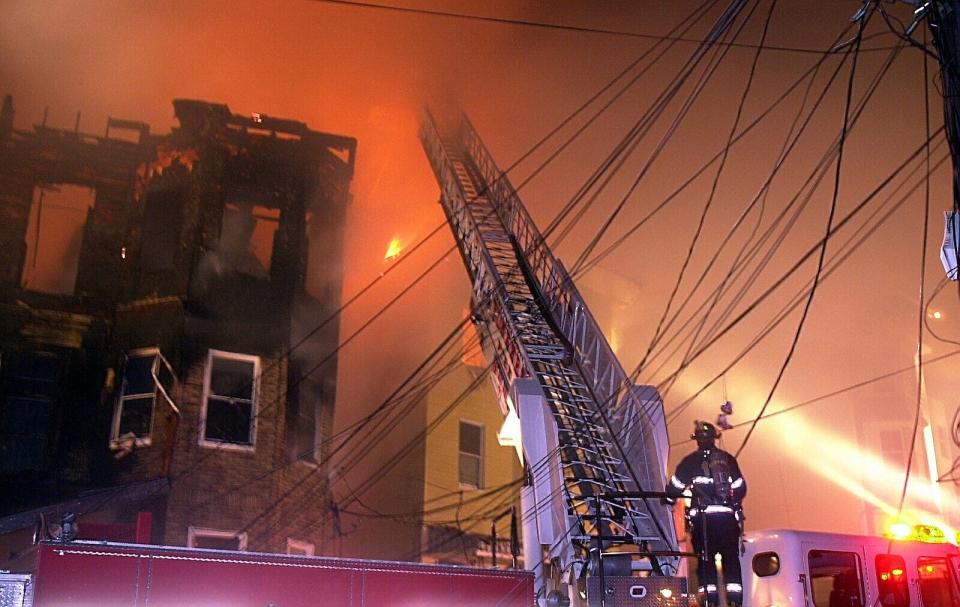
(609, 435)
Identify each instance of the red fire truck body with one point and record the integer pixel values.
(98, 574)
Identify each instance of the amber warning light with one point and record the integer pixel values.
(922, 533)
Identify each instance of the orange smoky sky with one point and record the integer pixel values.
(367, 73)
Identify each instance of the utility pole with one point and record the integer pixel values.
(943, 17)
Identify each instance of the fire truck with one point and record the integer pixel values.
(782, 568)
(792, 568)
(107, 574)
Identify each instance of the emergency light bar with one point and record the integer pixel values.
(919, 533)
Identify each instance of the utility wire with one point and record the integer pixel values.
(825, 397)
(711, 303)
(864, 19)
(813, 183)
(720, 28)
(582, 107)
(921, 313)
(857, 241)
(716, 181)
(689, 181)
(777, 166)
(556, 26)
(627, 144)
(805, 257)
(567, 120)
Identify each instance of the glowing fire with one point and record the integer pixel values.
(393, 249)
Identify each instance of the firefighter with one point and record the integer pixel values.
(712, 479)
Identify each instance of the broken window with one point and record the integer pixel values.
(246, 238)
(54, 235)
(133, 415)
(31, 383)
(230, 399)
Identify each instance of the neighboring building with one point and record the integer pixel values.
(471, 481)
(442, 477)
(153, 313)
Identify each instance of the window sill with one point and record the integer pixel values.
(222, 446)
(309, 463)
(123, 443)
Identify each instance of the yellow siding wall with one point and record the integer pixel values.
(500, 464)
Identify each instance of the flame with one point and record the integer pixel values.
(393, 249)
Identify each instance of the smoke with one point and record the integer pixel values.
(367, 73)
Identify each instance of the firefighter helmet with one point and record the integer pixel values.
(704, 432)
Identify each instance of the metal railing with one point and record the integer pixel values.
(599, 365)
(539, 327)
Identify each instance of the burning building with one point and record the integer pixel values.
(159, 347)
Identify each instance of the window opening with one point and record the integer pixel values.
(133, 416)
(216, 539)
(937, 584)
(161, 229)
(264, 232)
(892, 580)
(31, 383)
(54, 236)
(892, 446)
(835, 579)
(230, 399)
(300, 547)
(246, 238)
(766, 564)
(471, 455)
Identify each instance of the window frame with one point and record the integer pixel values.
(254, 401)
(306, 548)
(25, 382)
(70, 265)
(481, 456)
(858, 569)
(194, 532)
(115, 440)
(952, 581)
(772, 556)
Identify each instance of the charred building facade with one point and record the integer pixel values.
(164, 371)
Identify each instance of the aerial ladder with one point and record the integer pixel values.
(594, 445)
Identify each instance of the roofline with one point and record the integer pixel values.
(90, 502)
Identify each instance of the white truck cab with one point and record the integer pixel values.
(787, 568)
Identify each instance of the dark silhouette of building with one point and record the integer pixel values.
(156, 334)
